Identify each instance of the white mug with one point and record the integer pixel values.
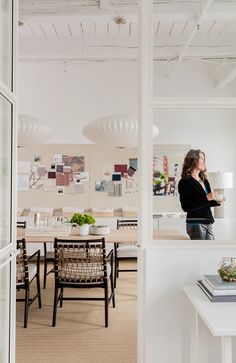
(219, 197)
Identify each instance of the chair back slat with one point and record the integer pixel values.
(22, 267)
(82, 261)
(20, 224)
(127, 224)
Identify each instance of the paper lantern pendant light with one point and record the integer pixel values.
(32, 131)
(114, 131)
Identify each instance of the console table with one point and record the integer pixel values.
(220, 319)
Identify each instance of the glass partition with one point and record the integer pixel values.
(6, 42)
(5, 170)
(193, 49)
(4, 312)
(212, 131)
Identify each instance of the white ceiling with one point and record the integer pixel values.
(85, 29)
(89, 24)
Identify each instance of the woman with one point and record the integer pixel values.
(196, 196)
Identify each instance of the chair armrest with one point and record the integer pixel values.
(110, 254)
(37, 253)
(34, 254)
(109, 257)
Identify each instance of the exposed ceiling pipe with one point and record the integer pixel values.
(186, 46)
(228, 77)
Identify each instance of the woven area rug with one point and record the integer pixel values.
(80, 335)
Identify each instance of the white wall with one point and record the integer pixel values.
(169, 267)
(213, 131)
(191, 79)
(68, 100)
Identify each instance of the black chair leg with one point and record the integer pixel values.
(106, 304)
(112, 291)
(61, 297)
(45, 266)
(55, 306)
(38, 290)
(115, 273)
(117, 270)
(26, 308)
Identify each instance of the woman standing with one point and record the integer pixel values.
(196, 196)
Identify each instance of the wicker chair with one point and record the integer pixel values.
(25, 273)
(125, 251)
(82, 264)
(21, 225)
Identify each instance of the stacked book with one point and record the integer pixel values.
(218, 290)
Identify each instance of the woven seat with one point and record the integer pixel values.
(125, 251)
(26, 273)
(82, 264)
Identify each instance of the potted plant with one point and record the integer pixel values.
(83, 221)
(159, 181)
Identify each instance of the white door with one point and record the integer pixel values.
(8, 15)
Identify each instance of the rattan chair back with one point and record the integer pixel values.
(80, 262)
(127, 224)
(22, 267)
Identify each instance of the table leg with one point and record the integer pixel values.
(226, 349)
(194, 340)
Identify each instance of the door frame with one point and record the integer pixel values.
(147, 103)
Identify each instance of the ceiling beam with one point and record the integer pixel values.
(202, 46)
(227, 78)
(106, 11)
(191, 36)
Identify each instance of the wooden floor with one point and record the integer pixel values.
(80, 335)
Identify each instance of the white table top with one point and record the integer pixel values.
(121, 236)
(219, 317)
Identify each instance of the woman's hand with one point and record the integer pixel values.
(211, 196)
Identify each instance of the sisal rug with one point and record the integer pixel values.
(80, 335)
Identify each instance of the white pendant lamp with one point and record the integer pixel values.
(32, 131)
(114, 131)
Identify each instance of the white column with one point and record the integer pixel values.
(145, 165)
(226, 349)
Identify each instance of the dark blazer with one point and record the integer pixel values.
(194, 201)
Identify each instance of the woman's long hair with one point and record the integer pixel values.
(190, 163)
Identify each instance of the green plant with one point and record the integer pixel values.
(159, 178)
(81, 219)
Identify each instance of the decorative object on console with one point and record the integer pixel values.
(220, 181)
(227, 269)
(218, 290)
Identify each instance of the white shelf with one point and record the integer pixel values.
(219, 317)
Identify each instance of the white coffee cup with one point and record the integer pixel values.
(219, 197)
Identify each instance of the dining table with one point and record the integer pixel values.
(120, 235)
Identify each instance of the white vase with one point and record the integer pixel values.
(84, 229)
